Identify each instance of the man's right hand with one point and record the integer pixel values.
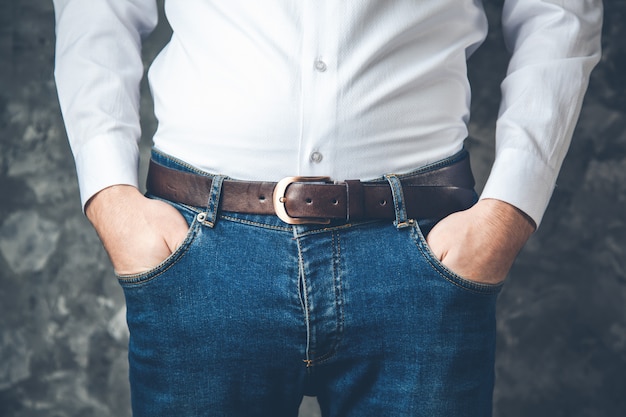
(138, 233)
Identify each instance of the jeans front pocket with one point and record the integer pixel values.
(445, 272)
(194, 219)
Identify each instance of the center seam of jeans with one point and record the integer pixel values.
(331, 327)
(304, 298)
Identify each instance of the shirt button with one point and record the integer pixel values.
(320, 65)
(316, 157)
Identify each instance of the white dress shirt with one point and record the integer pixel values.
(351, 89)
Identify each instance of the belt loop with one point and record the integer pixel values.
(354, 200)
(401, 220)
(214, 199)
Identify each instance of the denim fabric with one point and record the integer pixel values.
(250, 314)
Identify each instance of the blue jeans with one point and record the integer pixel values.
(250, 314)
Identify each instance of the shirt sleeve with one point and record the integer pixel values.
(554, 45)
(98, 69)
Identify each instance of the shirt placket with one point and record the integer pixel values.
(320, 34)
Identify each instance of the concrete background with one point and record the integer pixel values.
(562, 314)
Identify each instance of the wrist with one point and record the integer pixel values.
(510, 217)
(109, 202)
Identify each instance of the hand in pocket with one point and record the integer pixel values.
(481, 243)
(138, 233)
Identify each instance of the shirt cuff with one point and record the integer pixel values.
(522, 180)
(105, 161)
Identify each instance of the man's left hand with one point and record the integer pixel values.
(481, 243)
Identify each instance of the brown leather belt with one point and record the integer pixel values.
(431, 194)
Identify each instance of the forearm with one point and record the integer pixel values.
(554, 47)
(98, 68)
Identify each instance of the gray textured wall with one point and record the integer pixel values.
(562, 327)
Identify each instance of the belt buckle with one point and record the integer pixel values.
(279, 200)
